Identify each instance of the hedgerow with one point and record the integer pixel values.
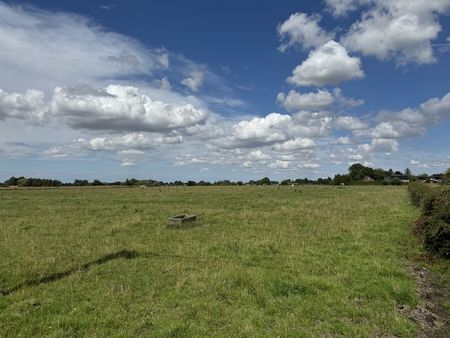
(433, 226)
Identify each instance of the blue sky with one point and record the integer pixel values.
(222, 90)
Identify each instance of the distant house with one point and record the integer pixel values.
(368, 179)
(435, 181)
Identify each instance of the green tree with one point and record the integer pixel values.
(264, 181)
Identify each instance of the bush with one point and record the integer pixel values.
(433, 226)
(419, 192)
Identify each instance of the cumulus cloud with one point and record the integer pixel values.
(380, 145)
(350, 123)
(194, 80)
(400, 30)
(295, 101)
(329, 64)
(29, 105)
(316, 101)
(295, 144)
(409, 122)
(122, 108)
(304, 31)
(262, 130)
(276, 128)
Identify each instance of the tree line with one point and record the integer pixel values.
(357, 174)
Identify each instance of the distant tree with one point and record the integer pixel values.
(80, 183)
(191, 183)
(23, 182)
(286, 182)
(97, 182)
(11, 181)
(339, 179)
(357, 172)
(264, 181)
(408, 172)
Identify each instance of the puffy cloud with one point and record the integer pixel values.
(274, 128)
(122, 108)
(435, 109)
(319, 100)
(29, 105)
(295, 101)
(329, 64)
(303, 30)
(380, 145)
(262, 130)
(402, 30)
(295, 144)
(128, 141)
(409, 122)
(258, 155)
(350, 123)
(194, 80)
(129, 148)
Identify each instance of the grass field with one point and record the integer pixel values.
(261, 261)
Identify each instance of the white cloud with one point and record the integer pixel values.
(258, 155)
(309, 165)
(29, 105)
(280, 164)
(130, 157)
(295, 144)
(275, 128)
(329, 64)
(400, 30)
(319, 100)
(303, 30)
(350, 123)
(409, 122)
(342, 7)
(122, 108)
(344, 140)
(164, 84)
(262, 130)
(194, 80)
(51, 49)
(295, 101)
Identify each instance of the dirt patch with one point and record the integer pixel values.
(431, 314)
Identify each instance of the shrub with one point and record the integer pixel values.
(433, 226)
(419, 192)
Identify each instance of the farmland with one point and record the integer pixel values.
(259, 261)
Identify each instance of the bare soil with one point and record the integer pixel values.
(430, 313)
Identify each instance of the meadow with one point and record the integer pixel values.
(303, 261)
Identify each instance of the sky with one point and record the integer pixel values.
(211, 90)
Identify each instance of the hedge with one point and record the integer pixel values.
(433, 226)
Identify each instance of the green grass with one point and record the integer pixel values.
(262, 261)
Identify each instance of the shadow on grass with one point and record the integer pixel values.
(127, 254)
